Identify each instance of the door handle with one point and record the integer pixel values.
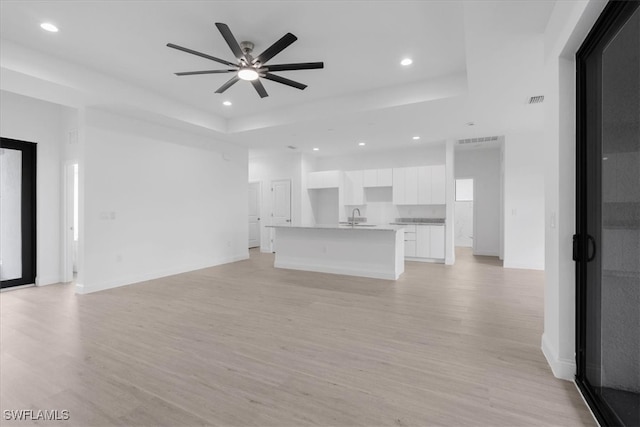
(288, 220)
(591, 242)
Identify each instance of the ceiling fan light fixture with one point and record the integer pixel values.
(47, 26)
(248, 74)
(406, 61)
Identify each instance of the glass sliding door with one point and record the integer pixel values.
(607, 243)
(17, 213)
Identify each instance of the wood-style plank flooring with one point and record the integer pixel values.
(245, 344)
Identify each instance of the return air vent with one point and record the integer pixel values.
(477, 140)
(292, 147)
(536, 99)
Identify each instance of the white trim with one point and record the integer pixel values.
(562, 368)
(431, 260)
(44, 281)
(336, 270)
(84, 289)
(487, 253)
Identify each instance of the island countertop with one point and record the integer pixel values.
(370, 227)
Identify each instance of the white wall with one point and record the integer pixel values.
(157, 201)
(524, 201)
(420, 155)
(32, 120)
(274, 167)
(483, 165)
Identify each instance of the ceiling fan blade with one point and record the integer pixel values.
(275, 48)
(228, 84)
(192, 73)
(299, 66)
(284, 81)
(231, 41)
(257, 84)
(203, 55)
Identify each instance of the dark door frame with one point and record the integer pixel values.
(29, 170)
(613, 16)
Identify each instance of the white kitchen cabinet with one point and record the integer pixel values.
(353, 188)
(323, 179)
(377, 178)
(398, 188)
(431, 185)
(438, 185)
(428, 241)
(411, 186)
(423, 241)
(424, 185)
(405, 186)
(410, 241)
(436, 241)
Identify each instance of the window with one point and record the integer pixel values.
(464, 190)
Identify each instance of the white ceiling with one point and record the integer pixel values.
(363, 93)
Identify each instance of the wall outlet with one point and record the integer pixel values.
(119, 258)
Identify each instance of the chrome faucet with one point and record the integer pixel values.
(353, 216)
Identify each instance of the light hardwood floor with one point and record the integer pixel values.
(245, 344)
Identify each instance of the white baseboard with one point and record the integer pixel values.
(431, 260)
(562, 368)
(110, 284)
(336, 270)
(44, 281)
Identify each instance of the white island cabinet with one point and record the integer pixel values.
(376, 252)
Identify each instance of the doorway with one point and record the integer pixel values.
(17, 212)
(607, 239)
(280, 206)
(464, 213)
(255, 191)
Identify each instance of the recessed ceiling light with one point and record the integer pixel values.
(315, 149)
(362, 143)
(406, 61)
(47, 26)
(227, 103)
(415, 138)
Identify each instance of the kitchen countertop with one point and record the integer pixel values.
(341, 227)
(419, 221)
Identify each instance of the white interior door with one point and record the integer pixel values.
(254, 214)
(281, 204)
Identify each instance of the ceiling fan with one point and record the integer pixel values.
(248, 67)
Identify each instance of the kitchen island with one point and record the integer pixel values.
(366, 251)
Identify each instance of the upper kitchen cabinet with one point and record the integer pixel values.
(405, 186)
(431, 185)
(353, 188)
(377, 178)
(323, 179)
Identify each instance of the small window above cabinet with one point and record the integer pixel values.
(377, 178)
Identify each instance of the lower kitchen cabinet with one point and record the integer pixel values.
(424, 242)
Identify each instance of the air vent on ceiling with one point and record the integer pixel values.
(477, 140)
(291, 147)
(536, 99)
